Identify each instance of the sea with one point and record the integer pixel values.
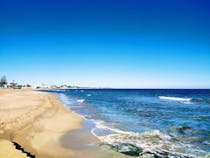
(164, 123)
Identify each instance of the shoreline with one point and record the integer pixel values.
(43, 126)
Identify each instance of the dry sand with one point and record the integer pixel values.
(36, 121)
(7, 150)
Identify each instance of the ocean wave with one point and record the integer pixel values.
(154, 142)
(175, 99)
(80, 100)
(177, 141)
(184, 100)
(101, 125)
(65, 99)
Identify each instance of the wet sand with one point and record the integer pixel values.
(85, 144)
(44, 127)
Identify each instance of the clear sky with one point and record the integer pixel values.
(106, 43)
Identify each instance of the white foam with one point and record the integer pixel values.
(175, 99)
(186, 102)
(80, 100)
(149, 141)
(100, 124)
(154, 140)
(127, 136)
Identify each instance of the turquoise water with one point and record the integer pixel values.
(165, 123)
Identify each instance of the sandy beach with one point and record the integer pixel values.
(36, 121)
(44, 128)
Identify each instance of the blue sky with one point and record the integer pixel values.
(127, 43)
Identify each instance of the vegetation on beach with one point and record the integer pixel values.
(3, 81)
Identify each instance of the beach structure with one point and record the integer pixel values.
(14, 85)
(3, 86)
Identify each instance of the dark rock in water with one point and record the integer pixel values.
(128, 149)
(180, 129)
(125, 148)
(132, 150)
(163, 154)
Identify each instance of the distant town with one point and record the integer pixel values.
(14, 85)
